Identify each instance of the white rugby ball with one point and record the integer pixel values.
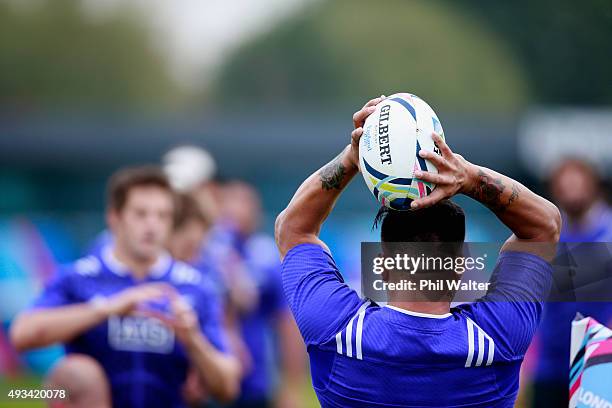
(393, 134)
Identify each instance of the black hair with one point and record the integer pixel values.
(442, 222)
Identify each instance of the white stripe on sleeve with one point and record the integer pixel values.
(480, 346)
(339, 342)
(349, 338)
(491, 351)
(362, 311)
(349, 330)
(491, 347)
(470, 335)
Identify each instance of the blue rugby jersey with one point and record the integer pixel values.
(257, 255)
(258, 326)
(364, 355)
(144, 361)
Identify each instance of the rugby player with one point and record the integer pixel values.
(587, 218)
(144, 317)
(191, 226)
(266, 325)
(417, 354)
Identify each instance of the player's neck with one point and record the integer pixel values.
(139, 268)
(434, 308)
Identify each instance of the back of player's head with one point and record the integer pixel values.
(122, 181)
(443, 222)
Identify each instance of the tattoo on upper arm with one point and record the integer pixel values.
(332, 174)
(490, 190)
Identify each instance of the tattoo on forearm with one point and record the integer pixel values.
(490, 191)
(332, 174)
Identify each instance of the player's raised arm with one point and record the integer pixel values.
(301, 221)
(530, 217)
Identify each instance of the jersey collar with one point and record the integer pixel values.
(158, 269)
(418, 314)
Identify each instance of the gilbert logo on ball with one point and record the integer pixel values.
(393, 135)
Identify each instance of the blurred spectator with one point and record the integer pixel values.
(575, 187)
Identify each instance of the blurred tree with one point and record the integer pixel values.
(52, 57)
(565, 45)
(347, 50)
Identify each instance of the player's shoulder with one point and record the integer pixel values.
(484, 323)
(88, 266)
(182, 273)
(192, 278)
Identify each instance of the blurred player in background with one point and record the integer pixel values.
(576, 188)
(268, 318)
(191, 226)
(418, 353)
(249, 277)
(144, 317)
(190, 232)
(191, 171)
(202, 240)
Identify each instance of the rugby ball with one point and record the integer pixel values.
(393, 135)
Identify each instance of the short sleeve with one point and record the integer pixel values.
(316, 293)
(57, 293)
(512, 308)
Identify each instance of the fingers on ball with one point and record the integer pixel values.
(432, 157)
(428, 201)
(356, 134)
(444, 149)
(426, 176)
(374, 102)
